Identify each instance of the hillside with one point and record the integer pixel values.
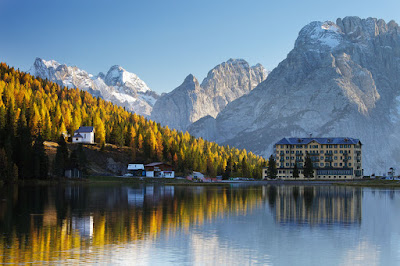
(33, 110)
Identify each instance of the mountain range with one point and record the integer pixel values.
(341, 79)
(117, 85)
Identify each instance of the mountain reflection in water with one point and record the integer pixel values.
(58, 223)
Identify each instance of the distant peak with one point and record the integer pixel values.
(236, 61)
(190, 79)
(46, 63)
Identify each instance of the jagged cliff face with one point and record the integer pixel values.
(341, 79)
(118, 85)
(192, 101)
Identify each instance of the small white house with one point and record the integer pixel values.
(135, 169)
(84, 135)
(135, 166)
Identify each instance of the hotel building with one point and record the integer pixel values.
(332, 158)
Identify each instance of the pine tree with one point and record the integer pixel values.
(295, 171)
(308, 167)
(40, 159)
(272, 171)
(61, 160)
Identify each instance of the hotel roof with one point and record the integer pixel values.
(299, 141)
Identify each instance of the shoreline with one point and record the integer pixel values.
(184, 182)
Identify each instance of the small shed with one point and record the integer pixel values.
(159, 169)
(136, 169)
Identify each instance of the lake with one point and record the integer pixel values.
(168, 225)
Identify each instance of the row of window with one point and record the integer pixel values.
(288, 176)
(322, 157)
(316, 146)
(314, 152)
(314, 164)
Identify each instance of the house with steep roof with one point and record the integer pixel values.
(84, 135)
(332, 158)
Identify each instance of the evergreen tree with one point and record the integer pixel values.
(272, 171)
(61, 160)
(228, 168)
(295, 171)
(40, 159)
(308, 167)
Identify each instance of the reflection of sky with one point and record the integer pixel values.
(258, 239)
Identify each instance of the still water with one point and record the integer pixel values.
(161, 225)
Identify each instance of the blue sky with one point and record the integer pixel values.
(164, 41)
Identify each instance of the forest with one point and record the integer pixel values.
(34, 110)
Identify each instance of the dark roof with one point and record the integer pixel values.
(84, 130)
(78, 135)
(299, 141)
(156, 163)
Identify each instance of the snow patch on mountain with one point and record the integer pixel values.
(118, 85)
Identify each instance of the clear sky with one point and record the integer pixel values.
(164, 41)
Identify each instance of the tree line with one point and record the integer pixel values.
(34, 110)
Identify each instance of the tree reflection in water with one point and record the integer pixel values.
(52, 223)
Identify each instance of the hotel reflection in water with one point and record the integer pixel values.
(311, 205)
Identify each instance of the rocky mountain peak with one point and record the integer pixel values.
(190, 82)
(118, 76)
(190, 101)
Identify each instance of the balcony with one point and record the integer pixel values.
(328, 159)
(299, 160)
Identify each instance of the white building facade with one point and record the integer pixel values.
(84, 135)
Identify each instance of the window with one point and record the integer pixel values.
(335, 157)
(322, 152)
(340, 164)
(335, 146)
(287, 164)
(335, 164)
(335, 151)
(292, 164)
(322, 157)
(292, 158)
(349, 164)
(341, 146)
(287, 157)
(287, 151)
(321, 164)
(326, 164)
(282, 146)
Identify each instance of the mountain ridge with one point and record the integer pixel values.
(192, 101)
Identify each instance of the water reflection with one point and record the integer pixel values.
(42, 223)
(91, 223)
(321, 205)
